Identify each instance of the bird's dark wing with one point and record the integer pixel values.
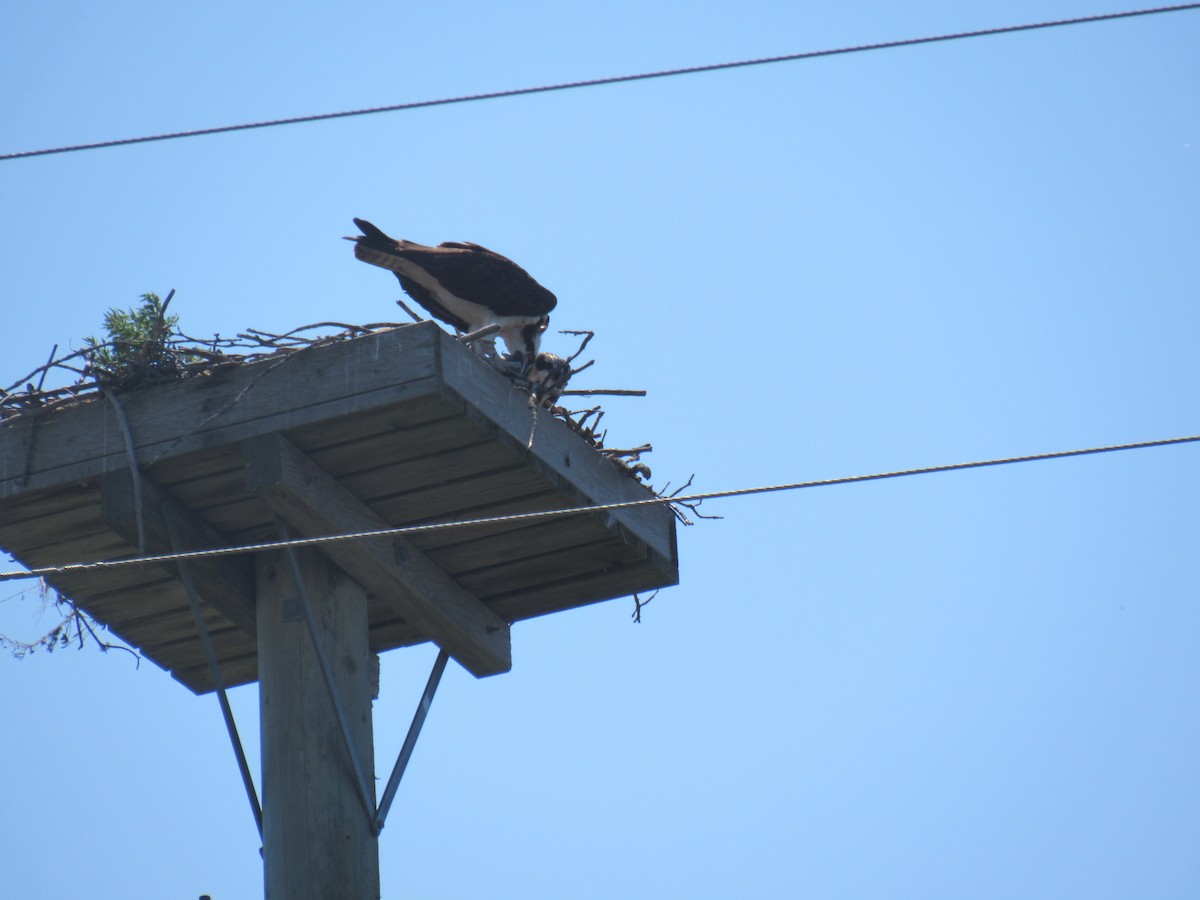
(483, 276)
(469, 271)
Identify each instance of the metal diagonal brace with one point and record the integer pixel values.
(330, 684)
(410, 741)
(189, 586)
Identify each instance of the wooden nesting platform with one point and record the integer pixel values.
(402, 427)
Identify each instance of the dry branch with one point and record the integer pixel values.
(608, 392)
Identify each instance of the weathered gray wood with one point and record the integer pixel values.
(177, 626)
(394, 570)
(235, 671)
(97, 543)
(186, 654)
(317, 837)
(170, 420)
(412, 426)
(225, 583)
(438, 469)
(561, 454)
(46, 502)
(475, 497)
(530, 602)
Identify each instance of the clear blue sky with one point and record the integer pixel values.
(973, 685)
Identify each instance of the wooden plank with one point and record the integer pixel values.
(575, 591)
(170, 623)
(501, 521)
(533, 600)
(47, 502)
(175, 470)
(81, 587)
(157, 595)
(235, 671)
(220, 497)
(495, 492)
(225, 583)
(243, 519)
(566, 562)
(433, 473)
(414, 412)
(410, 454)
(52, 532)
(170, 642)
(171, 420)
(393, 447)
(394, 570)
(214, 488)
(188, 652)
(515, 544)
(92, 547)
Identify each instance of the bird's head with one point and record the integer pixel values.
(548, 376)
(531, 340)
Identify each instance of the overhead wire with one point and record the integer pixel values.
(610, 80)
(596, 82)
(409, 530)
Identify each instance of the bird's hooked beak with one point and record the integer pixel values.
(531, 339)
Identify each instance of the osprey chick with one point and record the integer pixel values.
(548, 377)
(466, 286)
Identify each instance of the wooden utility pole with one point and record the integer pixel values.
(319, 840)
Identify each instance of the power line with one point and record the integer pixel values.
(614, 79)
(407, 530)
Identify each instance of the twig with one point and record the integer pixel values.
(295, 331)
(610, 392)
(633, 451)
(586, 414)
(638, 603)
(46, 368)
(694, 506)
(479, 334)
(533, 417)
(588, 336)
(60, 634)
(13, 389)
(404, 306)
(104, 646)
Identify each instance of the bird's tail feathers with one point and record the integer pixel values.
(375, 247)
(384, 257)
(371, 232)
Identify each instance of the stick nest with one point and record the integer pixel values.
(162, 353)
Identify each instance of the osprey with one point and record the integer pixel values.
(466, 286)
(548, 377)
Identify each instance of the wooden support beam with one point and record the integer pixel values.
(318, 839)
(393, 569)
(225, 583)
